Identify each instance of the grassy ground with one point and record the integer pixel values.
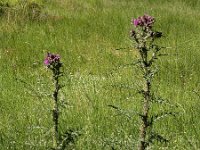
(86, 34)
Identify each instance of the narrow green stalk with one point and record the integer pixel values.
(146, 107)
(55, 114)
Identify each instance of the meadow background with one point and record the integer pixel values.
(92, 37)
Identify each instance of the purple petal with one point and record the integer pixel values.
(135, 22)
(46, 62)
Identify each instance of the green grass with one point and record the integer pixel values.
(86, 34)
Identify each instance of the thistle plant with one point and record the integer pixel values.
(52, 61)
(144, 37)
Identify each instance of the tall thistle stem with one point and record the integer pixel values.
(146, 107)
(144, 37)
(56, 111)
(52, 61)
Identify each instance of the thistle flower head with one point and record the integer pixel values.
(52, 60)
(144, 21)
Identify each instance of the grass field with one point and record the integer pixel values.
(87, 34)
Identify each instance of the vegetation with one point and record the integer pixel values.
(97, 53)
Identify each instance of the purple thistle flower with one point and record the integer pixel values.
(144, 21)
(136, 22)
(46, 62)
(52, 59)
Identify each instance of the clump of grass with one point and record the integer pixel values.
(22, 11)
(3, 8)
(33, 10)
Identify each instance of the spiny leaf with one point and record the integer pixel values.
(161, 116)
(128, 114)
(121, 112)
(157, 137)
